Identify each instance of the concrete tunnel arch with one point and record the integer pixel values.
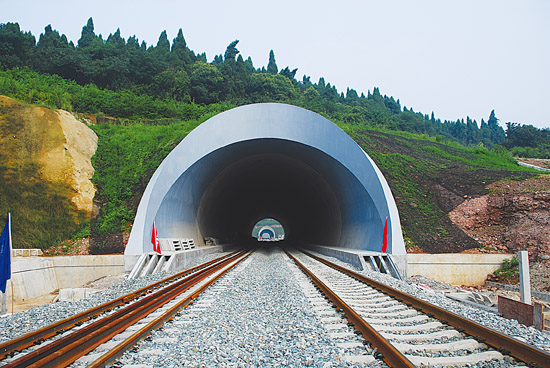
(267, 229)
(321, 186)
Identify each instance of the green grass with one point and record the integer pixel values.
(509, 269)
(126, 157)
(422, 172)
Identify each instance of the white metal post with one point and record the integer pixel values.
(524, 278)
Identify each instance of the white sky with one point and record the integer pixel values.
(457, 58)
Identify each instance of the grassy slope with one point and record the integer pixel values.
(428, 179)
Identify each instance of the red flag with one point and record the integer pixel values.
(385, 238)
(155, 239)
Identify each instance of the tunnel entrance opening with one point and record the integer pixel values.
(315, 198)
(269, 161)
(268, 229)
(225, 193)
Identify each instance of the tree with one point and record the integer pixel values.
(172, 84)
(87, 36)
(55, 55)
(249, 66)
(290, 74)
(163, 45)
(518, 135)
(16, 47)
(231, 52)
(497, 133)
(265, 87)
(182, 57)
(206, 83)
(272, 65)
(142, 63)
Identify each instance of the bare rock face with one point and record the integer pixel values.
(58, 143)
(79, 147)
(515, 216)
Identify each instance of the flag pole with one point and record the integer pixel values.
(11, 255)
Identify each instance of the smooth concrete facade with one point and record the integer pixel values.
(34, 277)
(452, 268)
(268, 161)
(455, 269)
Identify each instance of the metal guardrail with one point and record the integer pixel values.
(532, 166)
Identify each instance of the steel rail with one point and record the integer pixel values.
(67, 349)
(22, 342)
(125, 345)
(505, 344)
(390, 355)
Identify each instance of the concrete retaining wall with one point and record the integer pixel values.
(34, 277)
(183, 259)
(455, 269)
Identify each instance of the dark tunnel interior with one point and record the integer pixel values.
(314, 197)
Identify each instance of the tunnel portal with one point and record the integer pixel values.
(266, 232)
(268, 161)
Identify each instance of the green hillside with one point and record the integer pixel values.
(145, 99)
(427, 178)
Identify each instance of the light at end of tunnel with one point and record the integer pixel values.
(268, 229)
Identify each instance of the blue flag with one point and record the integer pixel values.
(5, 255)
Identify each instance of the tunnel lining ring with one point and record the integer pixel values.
(192, 181)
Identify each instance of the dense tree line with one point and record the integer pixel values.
(170, 74)
(527, 140)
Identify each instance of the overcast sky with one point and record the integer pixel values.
(456, 58)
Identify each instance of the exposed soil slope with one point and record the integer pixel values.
(514, 216)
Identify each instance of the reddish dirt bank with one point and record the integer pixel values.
(514, 216)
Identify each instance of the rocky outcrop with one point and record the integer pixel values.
(79, 147)
(55, 141)
(514, 216)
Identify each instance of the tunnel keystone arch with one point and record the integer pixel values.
(269, 160)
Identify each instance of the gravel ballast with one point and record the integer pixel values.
(257, 315)
(513, 328)
(12, 326)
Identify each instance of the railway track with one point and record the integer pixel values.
(408, 332)
(131, 318)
